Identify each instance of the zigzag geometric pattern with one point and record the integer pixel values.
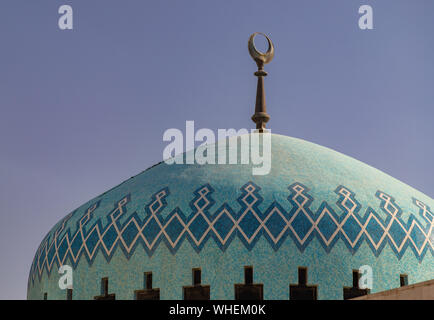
(248, 224)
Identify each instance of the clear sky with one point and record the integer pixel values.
(83, 110)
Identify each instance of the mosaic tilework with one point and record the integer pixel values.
(248, 224)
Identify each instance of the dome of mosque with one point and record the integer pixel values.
(305, 228)
(316, 225)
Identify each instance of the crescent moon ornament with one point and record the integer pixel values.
(260, 57)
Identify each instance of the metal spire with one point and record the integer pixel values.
(261, 116)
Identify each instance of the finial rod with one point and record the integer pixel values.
(261, 116)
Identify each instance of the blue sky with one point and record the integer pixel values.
(83, 110)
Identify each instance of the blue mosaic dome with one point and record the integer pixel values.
(317, 208)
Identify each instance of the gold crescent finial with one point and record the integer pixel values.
(261, 116)
(260, 57)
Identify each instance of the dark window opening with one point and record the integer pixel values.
(45, 296)
(355, 290)
(196, 291)
(68, 294)
(249, 290)
(303, 291)
(148, 293)
(356, 277)
(104, 291)
(104, 286)
(248, 275)
(403, 280)
(302, 276)
(197, 276)
(148, 280)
